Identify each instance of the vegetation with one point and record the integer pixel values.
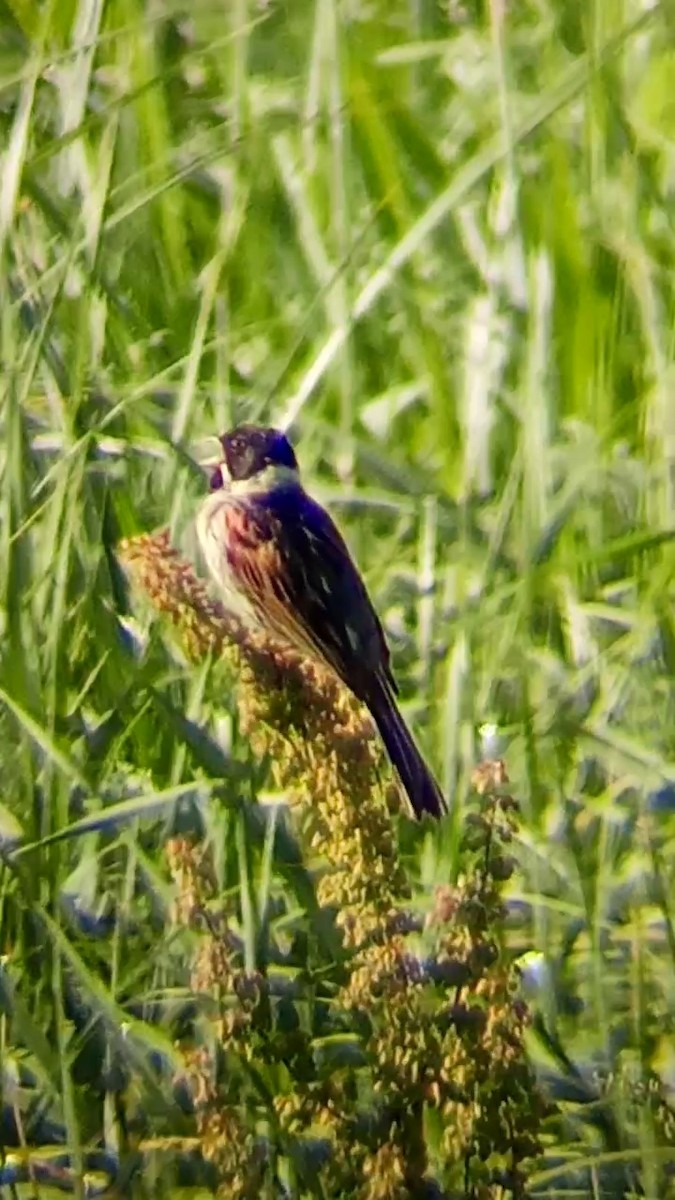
(436, 239)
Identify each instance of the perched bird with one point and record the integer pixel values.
(283, 568)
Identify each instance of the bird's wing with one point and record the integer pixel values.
(298, 572)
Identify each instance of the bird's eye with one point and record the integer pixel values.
(216, 480)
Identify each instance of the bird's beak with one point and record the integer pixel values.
(207, 453)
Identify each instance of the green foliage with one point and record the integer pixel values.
(437, 238)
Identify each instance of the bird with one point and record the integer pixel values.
(282, 568)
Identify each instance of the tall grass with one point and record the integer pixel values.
(437, 240)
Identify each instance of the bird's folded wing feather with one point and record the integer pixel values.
(287, 552)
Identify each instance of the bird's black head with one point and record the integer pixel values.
(251, 449)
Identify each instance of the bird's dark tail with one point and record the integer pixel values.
(423, 791)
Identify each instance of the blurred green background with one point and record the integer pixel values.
(436, 238)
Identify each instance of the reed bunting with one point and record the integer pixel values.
(282, 568)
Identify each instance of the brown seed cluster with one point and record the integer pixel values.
(448, 1030)
(385, 1174)
(173, 589)
(317, 737)
(438, 1020)
(231, 998)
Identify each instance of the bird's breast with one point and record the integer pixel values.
(216, 529)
